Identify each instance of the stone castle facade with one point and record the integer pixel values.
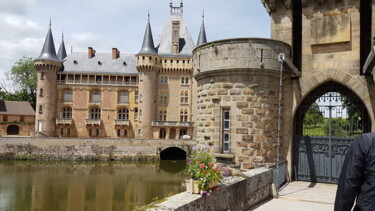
(147, 95)
(240, 95)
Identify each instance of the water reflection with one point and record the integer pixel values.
(75, 187)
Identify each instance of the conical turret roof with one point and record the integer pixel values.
(202, 39)
(61, 55)
(48, 52)
(148, 46)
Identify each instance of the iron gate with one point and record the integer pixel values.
(325, 130)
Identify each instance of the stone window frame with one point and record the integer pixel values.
(136, 114)
(66, 113)
(123, 97)
(136, 97)
(226, 130)
(185, 80)
(62, 131)
(184, 97)
(41, 109)
(123, 114)
(68, 95)
(163, 96)
(163, 79)
(184, 117)
(95, 113)
(68, 132)
(163, 114)
(95, 96)
(41, 92)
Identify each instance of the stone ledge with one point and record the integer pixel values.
(239, 192)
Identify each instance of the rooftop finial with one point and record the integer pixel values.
(148, 15)
(62, 35)
(181, 4)
(203, 16)
(50, 21)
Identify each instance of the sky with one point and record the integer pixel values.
(107, 24)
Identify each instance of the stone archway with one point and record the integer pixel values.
(13, 130)
(325, 124)
(173, 153)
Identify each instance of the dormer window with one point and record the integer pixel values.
(125, 64)
(99, 63)
(75, 62)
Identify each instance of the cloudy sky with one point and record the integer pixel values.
(104, 24)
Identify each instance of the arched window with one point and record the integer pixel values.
(68, 95)
(184, 115)
(66, 113)
(123, 114)
(94, 113)
(13, 130)
(123, 97)
(95, 96)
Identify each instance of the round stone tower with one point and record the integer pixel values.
(238, 96)
(47, 65)
(148, 64)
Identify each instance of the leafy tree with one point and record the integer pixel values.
(23, 77)
(313, 115)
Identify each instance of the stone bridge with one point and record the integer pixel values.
(93, 148)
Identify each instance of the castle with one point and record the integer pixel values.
(249, 97)
(147, 95)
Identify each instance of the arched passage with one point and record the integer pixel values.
(173, 153)
(13, 130)
(325, 124)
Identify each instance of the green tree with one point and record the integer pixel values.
(313, 115)
(24, 82)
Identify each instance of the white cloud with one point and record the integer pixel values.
(15, 6)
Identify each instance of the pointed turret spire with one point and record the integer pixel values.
(202, 39)
(48, 52)
(62, 52)
(148, 46)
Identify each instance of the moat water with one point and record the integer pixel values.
(87, 186)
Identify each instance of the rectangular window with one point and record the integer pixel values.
(136, 114)
(162, 133)
(40, 109)
(90, 132)
(97, 132)
(5, 118)
(61, 131)
(136, 97)
(162, 115)
(124, 97)
(226, 130)
(125, 132)
(41, 92)
(163, 96)
(118, 132)
(185, 81)
(68, 95)
(68, 132)
(163, 79)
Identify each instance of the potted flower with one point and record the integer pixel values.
(204, 174)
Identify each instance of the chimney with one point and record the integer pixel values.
(91, 53)
(115, 53)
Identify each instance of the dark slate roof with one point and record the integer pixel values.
(62, 52)
(48, 52)
(165, 43)
(202, 39)
(148, 46)
(22, 108)
(101, 63)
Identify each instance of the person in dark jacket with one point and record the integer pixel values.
(357, 178)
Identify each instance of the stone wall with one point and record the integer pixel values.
(86, 149)
(236, 193)
(242, 76)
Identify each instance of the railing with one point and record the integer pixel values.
(123, 103)
(93, 82)
(95, 102)
(64, 121)
(93, 122)
(172, 123)
(122, 122)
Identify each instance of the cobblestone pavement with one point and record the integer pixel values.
(304, 196)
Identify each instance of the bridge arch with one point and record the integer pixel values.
(173, 153)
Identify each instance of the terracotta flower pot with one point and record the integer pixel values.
(192, 186)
